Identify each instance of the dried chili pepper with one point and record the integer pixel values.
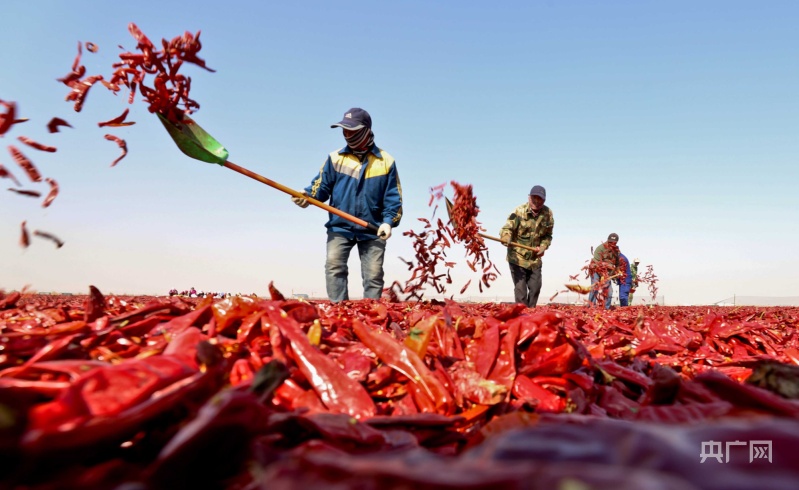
(48, 236)
(55, 123)
(338, 391)
(9, 118)
(24, 238)
(4, 173)
(26, 192)
(25, 163)
(80, 89)
(36, 144)
(52, 194)
(91, 47)
(117, 121)
(122, 144)
(404, 360)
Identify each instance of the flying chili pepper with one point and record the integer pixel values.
(122, 144)
(25, 163)
(52, 194)
(48, 236)
(77, 72)
(80, 89)
(26, 192)
(117, 121)
(4, 173)
(36, 144)
(91, 47)
(55, 122)
(9, 118)
(24, 239)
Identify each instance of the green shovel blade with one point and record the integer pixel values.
(194, 141)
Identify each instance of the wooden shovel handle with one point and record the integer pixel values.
(510, 244)
(292, 192)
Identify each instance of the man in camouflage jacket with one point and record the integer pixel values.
(604, 265)
(530, 224)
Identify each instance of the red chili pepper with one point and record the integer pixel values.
(36, 144)
(25, 163)
(241, 372)
(338, 391)
(542, 399)
(52, 194)
(24, 238)
(250, 329)
(504, 370)
(214, 445)
(94, 305)
(122, 144)
(43, 437)
(274, 293)
(138, 35)
(419, 335)
(117, 121)
(471, 386)
(483, 347)
(80, 89)
(55, 123)
(405, 360)
(4, 173)
(625, 374)
(9, 118)
(26, 192)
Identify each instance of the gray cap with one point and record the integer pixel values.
(539, 191)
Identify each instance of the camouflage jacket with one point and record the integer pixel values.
(609, 256)
(534, 231)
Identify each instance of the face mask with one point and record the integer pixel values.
(359, 140)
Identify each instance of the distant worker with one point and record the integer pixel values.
(634, 273)
(603, 266)
(624, 281)
(360, 179)
(530, 224)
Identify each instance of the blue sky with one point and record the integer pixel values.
(673, 124)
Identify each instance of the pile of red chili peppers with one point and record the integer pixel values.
(246, 392)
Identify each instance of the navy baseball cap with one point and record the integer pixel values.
(355, 118)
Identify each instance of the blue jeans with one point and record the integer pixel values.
(371, 253)
(624, 295)
(592, 297)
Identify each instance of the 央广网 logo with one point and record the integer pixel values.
(713, 449)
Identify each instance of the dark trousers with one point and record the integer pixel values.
(526, 284)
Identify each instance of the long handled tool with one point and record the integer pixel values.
(195, 142)
(489, 237)
(580, 289)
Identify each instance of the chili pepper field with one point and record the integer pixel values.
(249, 393)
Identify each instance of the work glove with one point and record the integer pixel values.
(300, 201)
(384, 231)
(505, 240)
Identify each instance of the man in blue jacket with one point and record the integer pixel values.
(625, 282)
(360, 179)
